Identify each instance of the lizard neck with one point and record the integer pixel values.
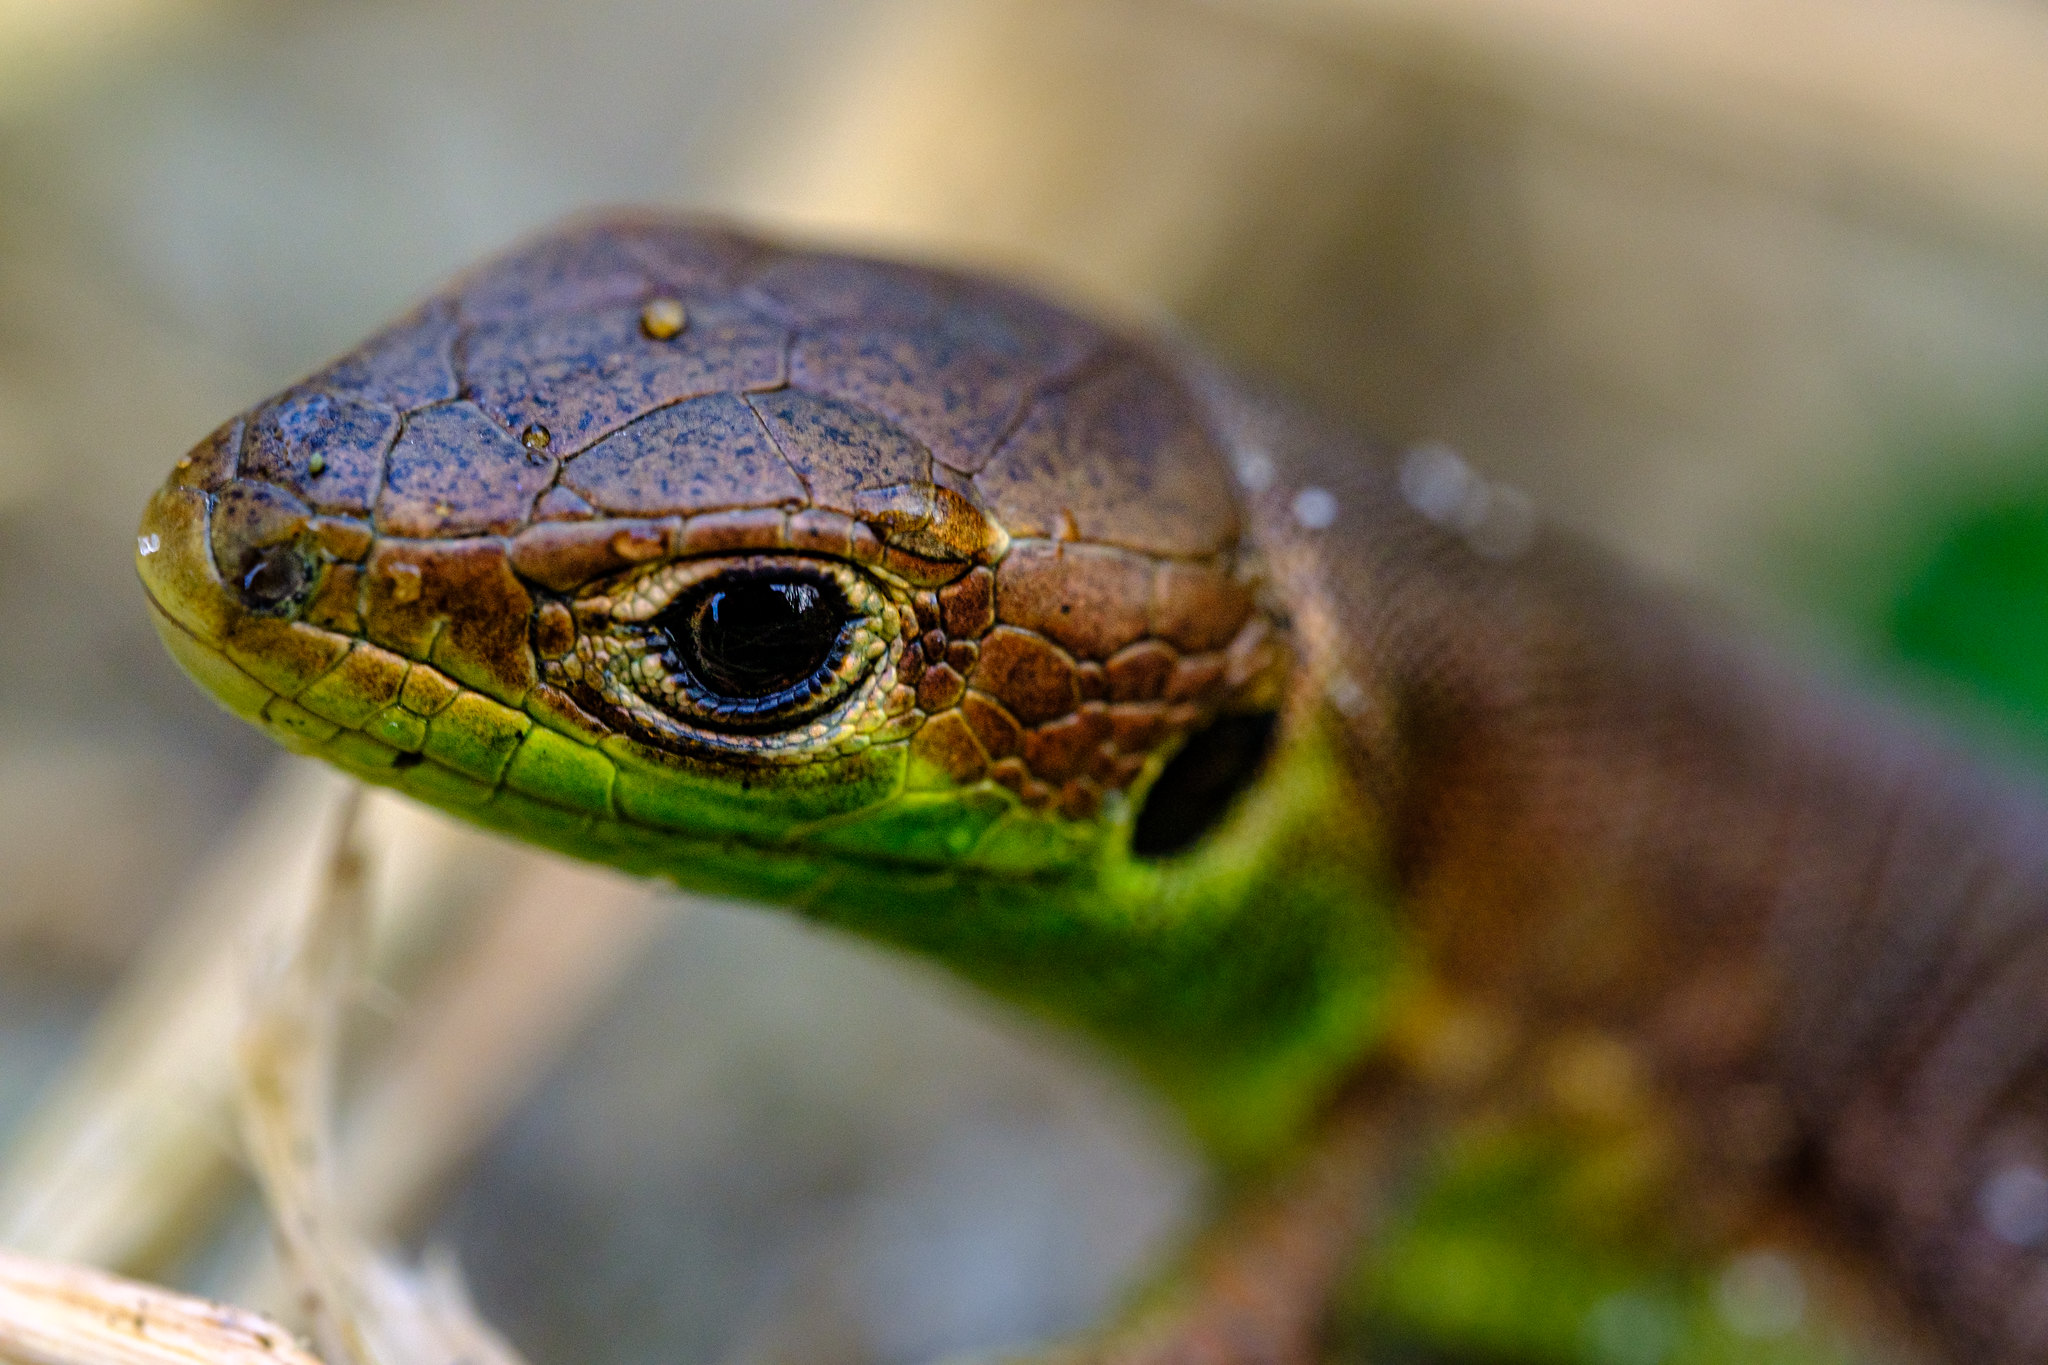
(1245, 978)
(1604, 816)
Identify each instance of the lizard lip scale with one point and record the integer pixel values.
(1272, 762)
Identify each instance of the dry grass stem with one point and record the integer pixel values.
(53, 1313)
(491, 1020)
(132, 1159)
(133, 1152)
(547, 954)
(361, 1308)
(136, 1144)
(286, 1054)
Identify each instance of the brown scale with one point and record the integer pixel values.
(1057, 615)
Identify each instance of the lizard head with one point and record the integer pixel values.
(896, 597)
(668, 548)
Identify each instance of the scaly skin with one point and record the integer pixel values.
(972, 801)
(1510, 789)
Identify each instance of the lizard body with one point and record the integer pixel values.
(940, 614)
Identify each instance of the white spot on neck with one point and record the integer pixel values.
(1315, 508)
(2014, 1205)
(1497, 521)
(1346, 695)
(1254, 469)
(1439, 484)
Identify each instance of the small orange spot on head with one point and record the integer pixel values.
(662, 319)
(536, 437)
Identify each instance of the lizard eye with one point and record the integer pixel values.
(776, 655)
(757, 639)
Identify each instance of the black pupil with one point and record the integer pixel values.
(753, 637)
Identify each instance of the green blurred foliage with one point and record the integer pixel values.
(1974, 610)
(1937, 586)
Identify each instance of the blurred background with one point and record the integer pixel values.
(1756, 294)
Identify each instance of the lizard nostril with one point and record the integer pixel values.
(271, 576)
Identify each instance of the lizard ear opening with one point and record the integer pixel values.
(1195, 790)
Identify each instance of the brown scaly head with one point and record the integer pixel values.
(647, 497)
(875, 590)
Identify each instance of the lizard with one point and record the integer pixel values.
(1273, 760)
